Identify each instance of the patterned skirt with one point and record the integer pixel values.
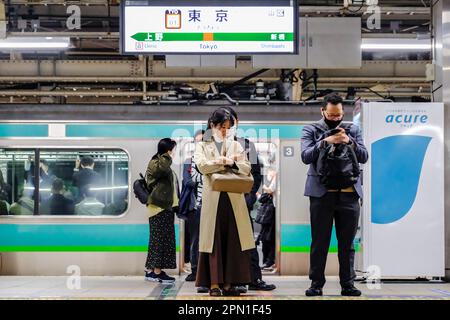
(161, 246)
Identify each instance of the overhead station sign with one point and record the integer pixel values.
(209, 27)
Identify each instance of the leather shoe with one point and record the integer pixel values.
(351, 291)
(232, 292)
(314, 292)
(202, 290)
(191, 277)
(215, 292)
(261, 285)
(242, 289)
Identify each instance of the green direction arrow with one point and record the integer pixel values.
(200, 36)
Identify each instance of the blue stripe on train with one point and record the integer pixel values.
(283, 131)
(23, 130)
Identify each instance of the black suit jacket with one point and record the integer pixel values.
(84, 177)
(252, 156)
(59, 205)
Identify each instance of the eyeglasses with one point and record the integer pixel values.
(334, 115)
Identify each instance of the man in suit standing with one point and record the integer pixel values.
(85, 176)
(325, 205)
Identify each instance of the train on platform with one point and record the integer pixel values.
(121, 139)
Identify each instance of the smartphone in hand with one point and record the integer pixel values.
(334, 131)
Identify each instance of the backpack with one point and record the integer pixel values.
(338, 167)
(266, 213)
(187, 201)
(140, 189)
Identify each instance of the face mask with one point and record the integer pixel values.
(332, 124)
(232, 132)
(217, 136)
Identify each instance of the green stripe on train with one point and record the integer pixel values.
(307, 249)
(286, 249)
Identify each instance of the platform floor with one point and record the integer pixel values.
(288, 288)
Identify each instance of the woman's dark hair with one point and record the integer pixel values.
(232, 111)
(165, 145)
(220, 116)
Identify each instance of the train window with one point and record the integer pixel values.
(188, 151)
(16, 188)
(267, 153)
(86, 182)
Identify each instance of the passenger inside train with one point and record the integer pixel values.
(85, 174)
(25, 204)
(46, 177)
(268, 221)
(102, 193)
(57, 204)
(5, 190)
(89, 206)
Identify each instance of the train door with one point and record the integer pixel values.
(267, 234)
(294, 209)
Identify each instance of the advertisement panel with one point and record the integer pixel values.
(403, 221)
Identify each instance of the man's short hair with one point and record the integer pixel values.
(87, 161)
(332, 98)
(57, 185)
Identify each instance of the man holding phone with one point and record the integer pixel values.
(327, 205)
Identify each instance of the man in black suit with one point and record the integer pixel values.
(57, 204)
(86, 175)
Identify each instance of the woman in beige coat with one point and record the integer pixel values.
(225, 230)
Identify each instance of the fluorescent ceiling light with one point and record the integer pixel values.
(34, 43)
(390, 44)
